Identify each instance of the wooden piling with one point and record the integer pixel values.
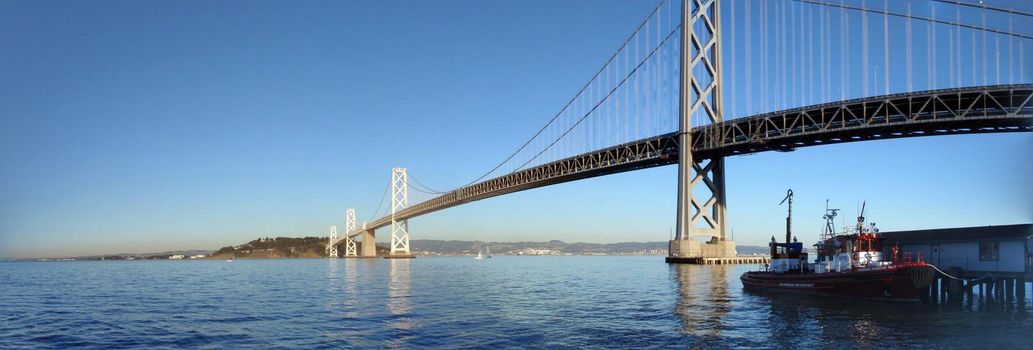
(1020, 290)
(968, 292)
(998, 290)
(955, 285)
(1009, 290)
(934, 291)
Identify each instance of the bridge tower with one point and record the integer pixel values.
(399, 201)
(700, 97)
(349, 226)
(331, 248)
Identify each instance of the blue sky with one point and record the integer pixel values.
(148, 126)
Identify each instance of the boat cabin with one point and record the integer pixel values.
(787, 257)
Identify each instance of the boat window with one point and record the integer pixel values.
(988, 251)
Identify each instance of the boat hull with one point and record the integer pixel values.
(895, 283)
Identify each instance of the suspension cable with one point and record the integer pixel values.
(425, 187)
(579, 93)
(933, 20)
(376, 213)
(986, 7)
(610, 93)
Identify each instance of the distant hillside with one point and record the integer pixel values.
(145, 256)
(440, 247)
(314, 247)
(278, 247)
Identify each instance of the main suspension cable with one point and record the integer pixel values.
(984, 6)
(383, 197)
(579, 93)
(615, 88)
(933, 20)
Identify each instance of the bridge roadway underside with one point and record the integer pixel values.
(1005, 108)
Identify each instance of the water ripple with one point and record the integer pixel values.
(505, 302)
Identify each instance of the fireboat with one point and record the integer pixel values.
(848, 264)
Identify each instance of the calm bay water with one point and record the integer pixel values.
(458, 302)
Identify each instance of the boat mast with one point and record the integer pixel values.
(789, 216)
(860, 219)
(830, 216)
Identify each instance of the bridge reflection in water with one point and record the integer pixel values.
(399, 305)
(703, 301)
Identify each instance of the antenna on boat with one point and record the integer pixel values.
(830, 217)
(860, 219)
(789, 217)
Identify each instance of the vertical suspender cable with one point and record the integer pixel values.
(929, 54)
(932, 51)
(957, 45)
(950, 55)
(821, 54)
(843, 30)
(828, 55)
(783, 66)
(810, 55)
(779, 83)
(985, 76)
(907, 38)
(634, 97)
(633, 131)
(1011, 68)
(764, 54)
(732, 83)
(864, 45)
(749, 62)
(886, 46)
(973, 49)
(792, 45)
(997, 59)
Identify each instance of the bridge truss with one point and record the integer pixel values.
(1005, 108)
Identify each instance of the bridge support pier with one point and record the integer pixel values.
(700, 97)
(369, 244)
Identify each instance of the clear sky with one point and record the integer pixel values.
(135, 126)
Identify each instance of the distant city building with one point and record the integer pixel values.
(533, 251)
(177, 257)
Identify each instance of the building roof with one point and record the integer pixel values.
(981, 233)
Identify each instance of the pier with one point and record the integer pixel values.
(718, 261)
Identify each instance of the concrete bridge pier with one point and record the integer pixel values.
(369, 244)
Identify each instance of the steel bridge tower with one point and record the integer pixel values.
(349, 226)
(700, 97)
(331, 248)
(399, 201)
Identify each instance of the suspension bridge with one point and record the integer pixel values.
(801, 73)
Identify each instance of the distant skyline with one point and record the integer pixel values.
(154, 126)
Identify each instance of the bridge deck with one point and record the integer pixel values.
(1005, 108)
